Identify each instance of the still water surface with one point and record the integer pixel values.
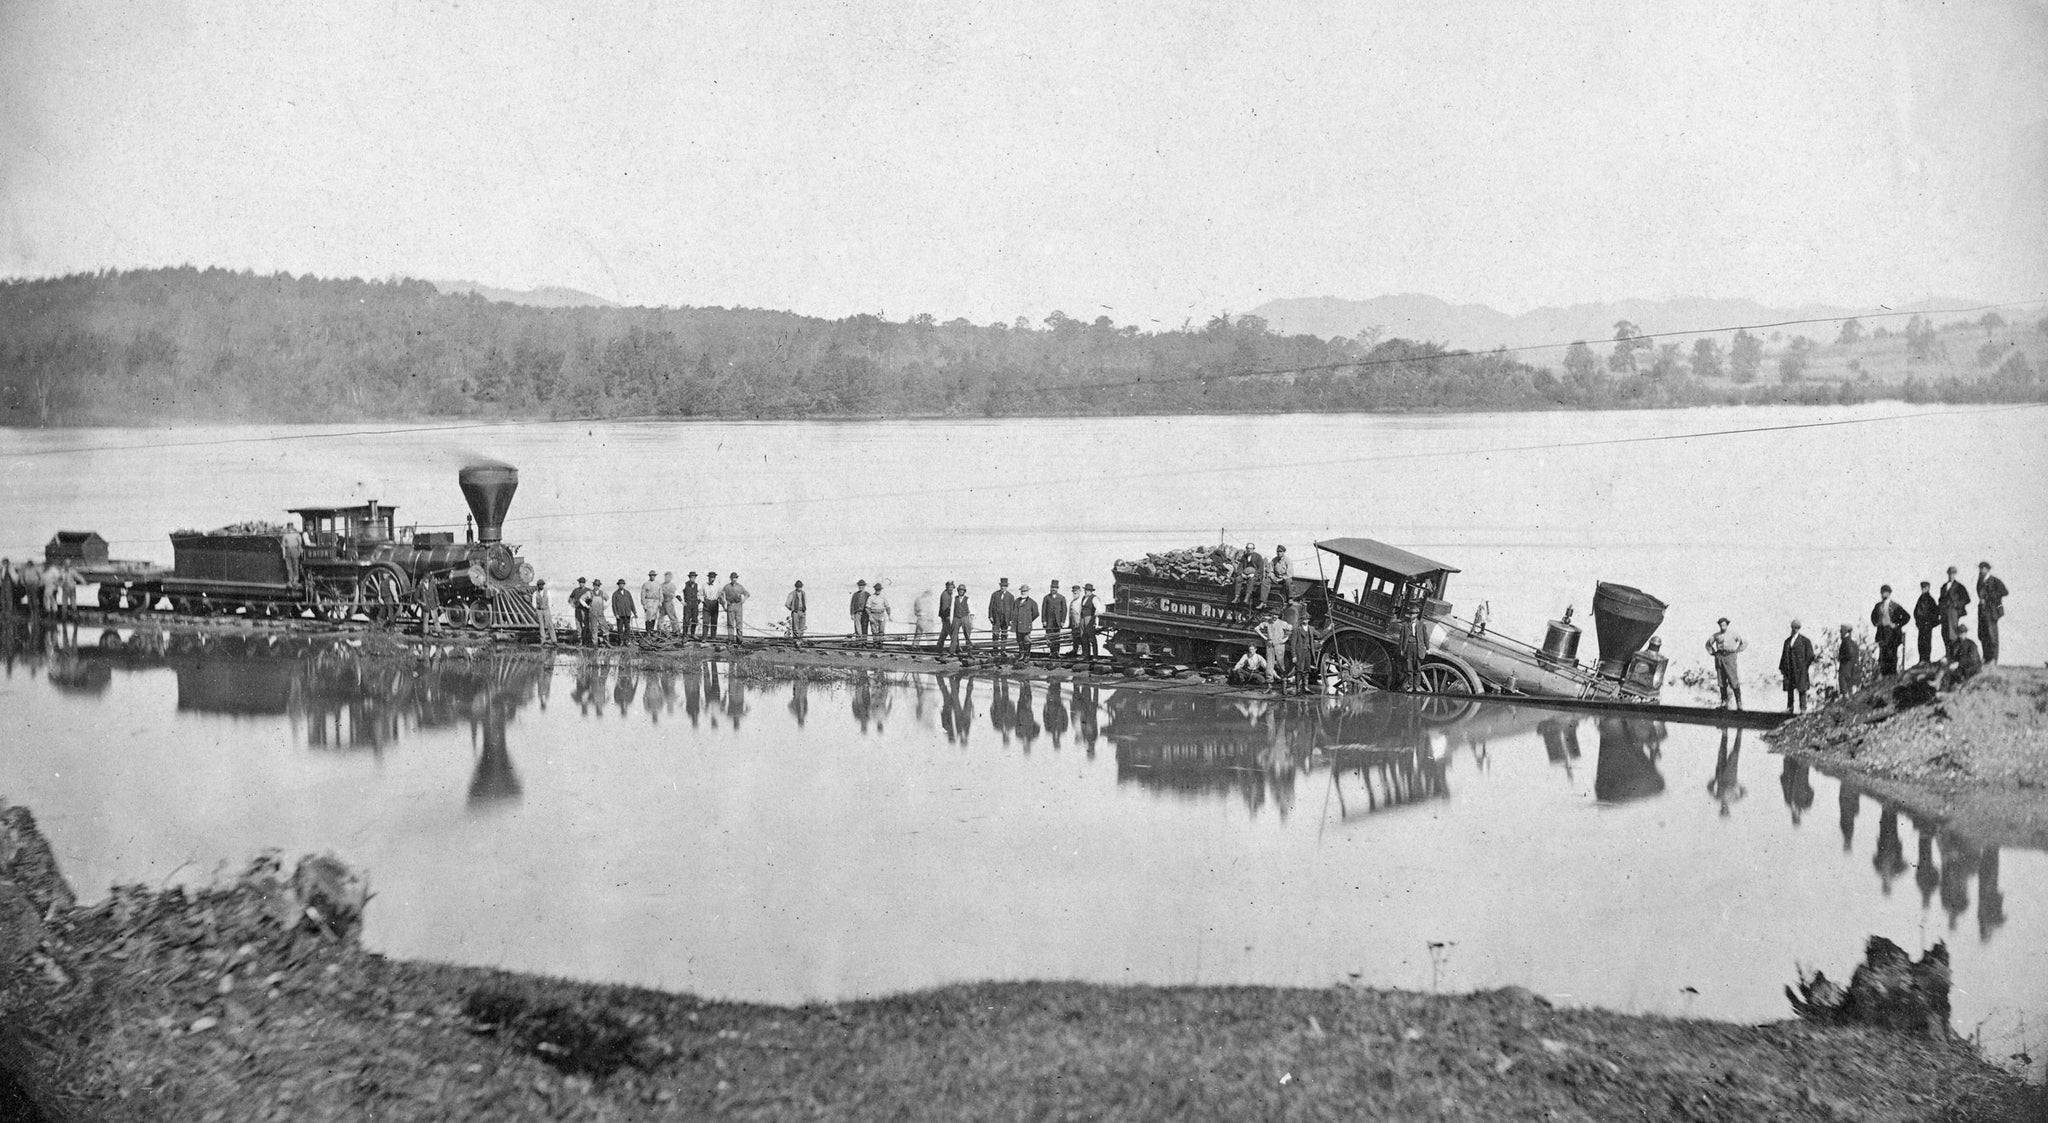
(792, 841)
(1761, 523)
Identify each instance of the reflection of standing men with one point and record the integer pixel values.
(1726, 786)
(1890, 618)
(1954, 601)
(1795, 666)
(1926, 614)
(1055, 611)
(1055, 713)
(1990, 606)
(1724, 646)
(6, 588)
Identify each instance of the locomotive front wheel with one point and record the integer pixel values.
(1440, 679)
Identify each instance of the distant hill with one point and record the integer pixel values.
(1479, 327)
(552, 296)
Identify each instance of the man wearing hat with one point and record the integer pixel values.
(1926, 616)
(857, 607)
(1084, 636)
(1724, 646)
(735, 597)
(1954, 600)
(579, 603)
(1054, 609)
(1795, 666)
(711, 607)
(963, 619)
(622, 609)
(945, 607)
(545, 610)
(999, 604)
(1967, 662)
(650, 601)
(1990, 606)
(1274, 631)
(1023, 613)
(1280, 575)
(1890, 618)
(877, 613)
(798, 605)
(1250, 568)
(691, 597)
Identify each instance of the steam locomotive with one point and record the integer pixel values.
(339, 563)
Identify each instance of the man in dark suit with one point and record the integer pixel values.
(1022, 614)
(999, 603)
(1795, 666)
(1054, 611)
(1990, 606)
(1926, 614)
(1890, 618)
(1955, 601)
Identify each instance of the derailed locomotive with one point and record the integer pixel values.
(339, 563)
(1381, 623)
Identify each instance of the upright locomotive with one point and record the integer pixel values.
(341, 562)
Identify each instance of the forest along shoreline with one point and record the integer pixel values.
(254, 998)
(1973, 760)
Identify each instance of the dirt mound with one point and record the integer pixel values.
(1975, 756)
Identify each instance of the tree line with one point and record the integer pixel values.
(146, 345)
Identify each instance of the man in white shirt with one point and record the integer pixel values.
(1252, 668)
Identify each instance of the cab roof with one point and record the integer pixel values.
(1374, 554)
(351, 509)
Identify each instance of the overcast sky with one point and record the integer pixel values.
(1148, 161)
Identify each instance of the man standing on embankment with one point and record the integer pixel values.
(1990, 606)
(1724, 646)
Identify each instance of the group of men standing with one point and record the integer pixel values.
(688, 610)
(1012, 618)
(1290, 640)
(39, 589)
(1943, 610)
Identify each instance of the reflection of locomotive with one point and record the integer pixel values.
(341, 562)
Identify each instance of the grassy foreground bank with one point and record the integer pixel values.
(233, 1003)
(1973, 759)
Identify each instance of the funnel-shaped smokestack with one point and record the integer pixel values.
(1623, 619)
(489, 490)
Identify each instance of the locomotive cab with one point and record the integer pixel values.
(334, 533)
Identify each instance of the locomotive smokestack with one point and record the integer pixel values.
(489, 488)
(1624, 619)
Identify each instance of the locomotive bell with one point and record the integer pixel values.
(489, 488)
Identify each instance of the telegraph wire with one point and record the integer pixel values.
(1061, 388)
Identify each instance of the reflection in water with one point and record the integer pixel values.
(1380, 754)
(1627, 766)
(1726, 786)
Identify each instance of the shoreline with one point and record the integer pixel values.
(159, 1003)
(1972, 760)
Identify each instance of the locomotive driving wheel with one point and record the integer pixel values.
(1354, 664)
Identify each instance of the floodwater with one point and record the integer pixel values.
(787, 841)
(1790, 511)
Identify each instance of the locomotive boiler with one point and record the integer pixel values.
(340, 562)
